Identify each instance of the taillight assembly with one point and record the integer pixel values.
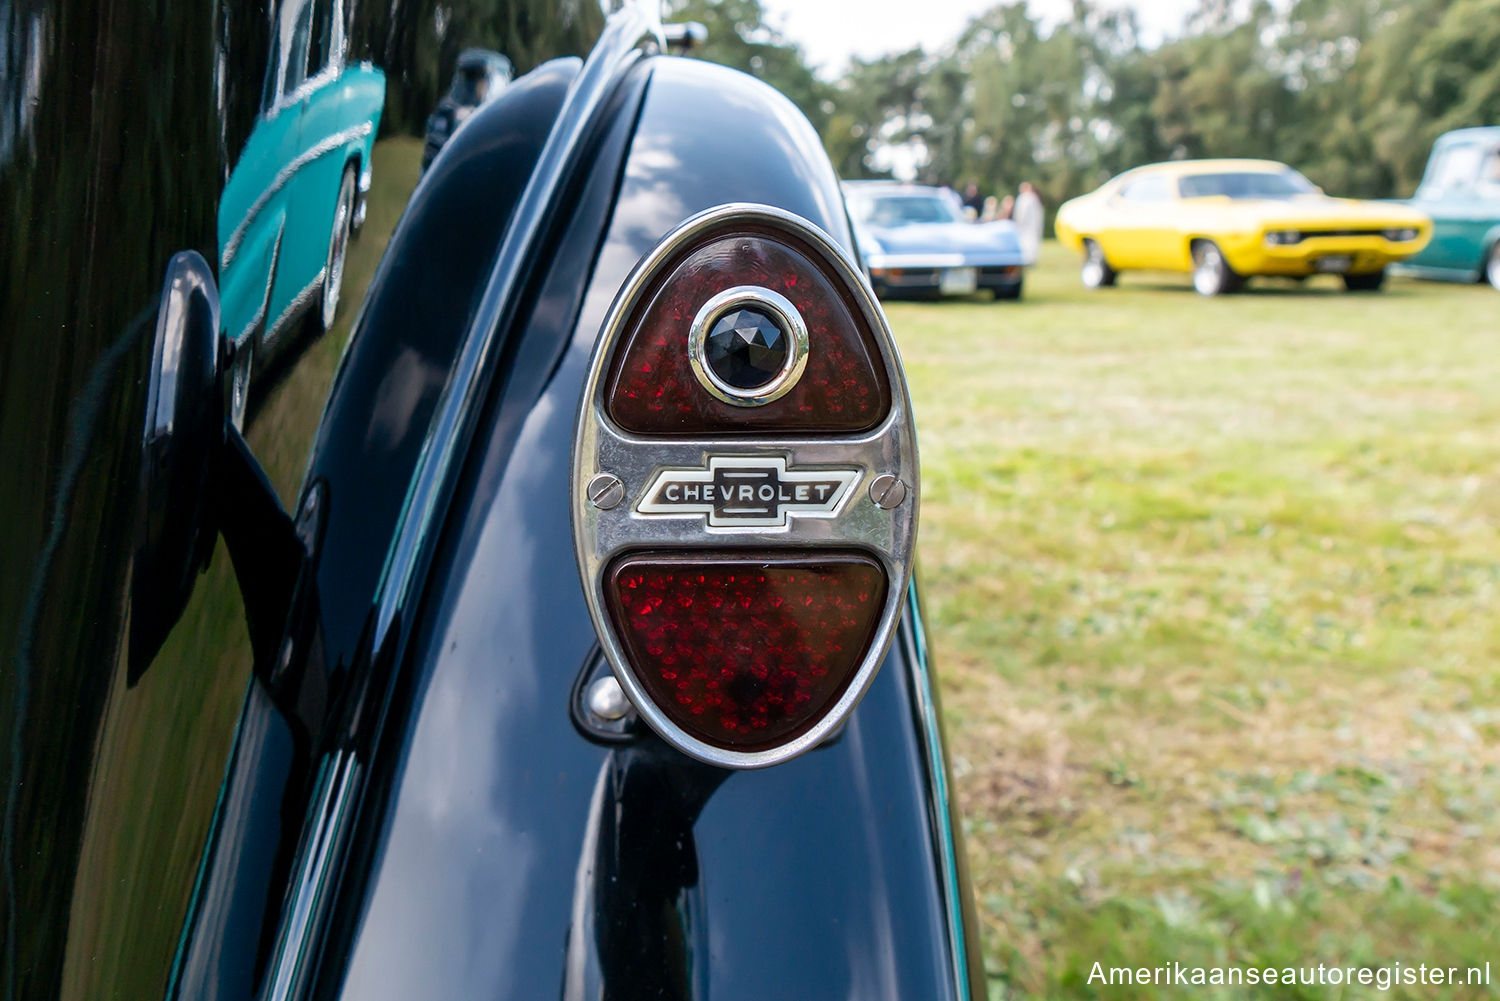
(745, 486)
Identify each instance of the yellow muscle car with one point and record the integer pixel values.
(1226, 220)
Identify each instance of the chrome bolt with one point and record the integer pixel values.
(606, 699)
(887, 491)
(606, 491)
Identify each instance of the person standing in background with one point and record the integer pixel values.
(973, 201)
(1029, 217)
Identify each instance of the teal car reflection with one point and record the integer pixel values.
(297, 191)
(1460, 190)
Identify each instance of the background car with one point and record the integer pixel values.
(917, 242)
(1460, 190)
(479, 76)
(1227, 220)
(297, 190)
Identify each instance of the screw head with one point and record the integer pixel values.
(887, 491)
(606, 699)
(605, 491)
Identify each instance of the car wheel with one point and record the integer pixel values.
(1096, 272)
(1492, 269)
(1368, 282)
(338, 249)
(1007, 291)
(1212, 275)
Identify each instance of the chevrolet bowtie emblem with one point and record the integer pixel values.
(748, 492)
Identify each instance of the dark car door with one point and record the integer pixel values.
(122, 709)
(112, 163)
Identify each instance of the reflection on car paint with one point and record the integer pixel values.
(152, 818)
(287, 204)
(480, 76)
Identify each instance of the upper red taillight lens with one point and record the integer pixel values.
(652, 388)
(745, 650)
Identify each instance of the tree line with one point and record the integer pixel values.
(1350, 92)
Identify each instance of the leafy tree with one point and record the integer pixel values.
(738, 36)
(417, 43)
(1351, 91)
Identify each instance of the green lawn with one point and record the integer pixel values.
(1215, 596)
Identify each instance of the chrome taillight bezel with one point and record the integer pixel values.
(601, 448)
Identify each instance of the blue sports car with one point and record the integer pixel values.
(917, 243)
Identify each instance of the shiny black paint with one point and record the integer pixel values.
(416, 311)
(91, 213)
(119, 123)
(495, 837)
(372, 430)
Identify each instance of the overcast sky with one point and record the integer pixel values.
(830, 31)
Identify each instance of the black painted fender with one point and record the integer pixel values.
(496, 851)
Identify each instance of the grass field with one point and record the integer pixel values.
(1213, 587)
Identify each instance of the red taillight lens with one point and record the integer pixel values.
(652, 389)
(745, 650)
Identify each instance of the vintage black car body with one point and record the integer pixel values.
(411, 800)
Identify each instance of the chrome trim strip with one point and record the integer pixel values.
(945, 260)
(299, 302)
(324, 76)
(627, 33)
(601, 446)
(265, 299)
(932, 737)
(321, 149)
(333, 797)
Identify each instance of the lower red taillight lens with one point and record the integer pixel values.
(745, 650)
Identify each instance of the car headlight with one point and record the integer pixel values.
(1401, 235)
(1283, 237)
